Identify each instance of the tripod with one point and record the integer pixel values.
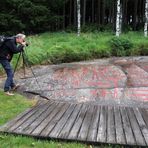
(25, 64)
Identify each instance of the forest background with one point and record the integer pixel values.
(36, 16)
(51, 26)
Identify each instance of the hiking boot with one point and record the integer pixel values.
(15, 87)
(9, 93)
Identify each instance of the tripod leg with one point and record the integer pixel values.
(17, 63)
(24, 63)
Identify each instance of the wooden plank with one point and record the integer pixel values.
(9, 124)
(142, 124)
(120, 136)
(78, 122)
(30, 128)
(56, 130)
(136, 129)
(44, 123)
(31, 119)
(127, 127)
(86, 123)
(92, 134)
(55, 120)
(68, 126)
(102, 129)
(111, 134)
(144, 113)
(26, 117)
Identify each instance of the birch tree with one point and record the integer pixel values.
(118, 17)
(78, 17)
(146, 18)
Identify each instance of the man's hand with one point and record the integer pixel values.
(24, 44)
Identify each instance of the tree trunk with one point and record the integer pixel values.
(118, 18)
(135, 14)
(92, 16)
(114, 14)
(146, 18)
(98, 12)
(64, 16)
(103, 11)
(124, 12)
(84, 12)
(75, 13)
(78, 17)
(70, 10)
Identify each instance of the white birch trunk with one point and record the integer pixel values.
(78, 17)
(118, 21)
(120, 18)
(146, 18)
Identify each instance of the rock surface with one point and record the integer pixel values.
(114, 81)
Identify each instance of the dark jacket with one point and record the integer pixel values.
(9, 48)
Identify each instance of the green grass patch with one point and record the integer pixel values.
(10, 141)
(67, 47)
(10, 106)
(55, 48)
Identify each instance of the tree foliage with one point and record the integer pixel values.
(34, 16)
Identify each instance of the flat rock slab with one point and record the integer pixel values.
(115, 81)
(82, 122)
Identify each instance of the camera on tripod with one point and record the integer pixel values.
(25, 43)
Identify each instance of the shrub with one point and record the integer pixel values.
(143, 50)
(120, 46)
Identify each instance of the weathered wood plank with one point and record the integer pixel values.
(136, 129)
(92, 134)
(27, 116)
(21, 128)
(142, 124)
(30, 128)
(67, 128)
(82, 122)
(102, 129)
(46, 121)
(8, 125)
(111, 134)
(120, 136)
(78, 122)
(56, 130)
(54, 121)
(17, 118)
(86, 123)
(144, 114)
(127, 127)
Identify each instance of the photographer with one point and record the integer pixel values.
(7, 50)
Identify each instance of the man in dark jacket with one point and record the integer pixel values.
(7, 50)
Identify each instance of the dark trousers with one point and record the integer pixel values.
(9, 83)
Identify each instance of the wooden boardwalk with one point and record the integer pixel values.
(82, 122)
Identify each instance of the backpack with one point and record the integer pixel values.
(3, 39)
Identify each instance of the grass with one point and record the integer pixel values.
(67, 47)
(11, 106)
(55, 48)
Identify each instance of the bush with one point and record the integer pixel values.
(143, 50)
(120, 46)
